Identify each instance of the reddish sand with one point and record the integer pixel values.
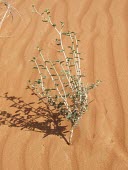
(100, 142)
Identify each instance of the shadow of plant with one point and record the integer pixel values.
(40, 119)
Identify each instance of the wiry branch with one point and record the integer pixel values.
(54, 81)
(5, 14)
(9, 8)
(42, 83)
(61, 43)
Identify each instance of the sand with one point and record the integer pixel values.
(100, 141)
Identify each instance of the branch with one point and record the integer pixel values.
(42, 83)
(65, 101)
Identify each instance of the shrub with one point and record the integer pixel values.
(68, 93)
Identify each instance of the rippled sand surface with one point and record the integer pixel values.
(100, 141)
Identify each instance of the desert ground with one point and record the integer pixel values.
(100, 141)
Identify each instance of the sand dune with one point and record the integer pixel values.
(100, 141)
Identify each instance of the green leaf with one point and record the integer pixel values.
(38, 81)
(62, 23)
(32, 61)
(55, 79)
(41, 65)
(47, 89)
(67, 72)
(82, 75)
(46, 10)
(47, 61)
(44, 77)
(53, 75)
(60, 50)
(35, 67)
(54, 25)
(62, 62)
(69, 58)
(69, 47)
(77, 52)
(56, 84)
(69, 116)
(57, 61)
(44, 20)
(66, 33)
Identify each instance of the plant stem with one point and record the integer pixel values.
(62, 47)
(61, 43)
(79, 66)
(59, 80)
(5, 15)
(42, 83)
(74, 56)
(71, 135)
(65, 101)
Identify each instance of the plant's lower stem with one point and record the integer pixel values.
(71, 135)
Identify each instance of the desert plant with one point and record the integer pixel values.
(7, 10)
(67, 94)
